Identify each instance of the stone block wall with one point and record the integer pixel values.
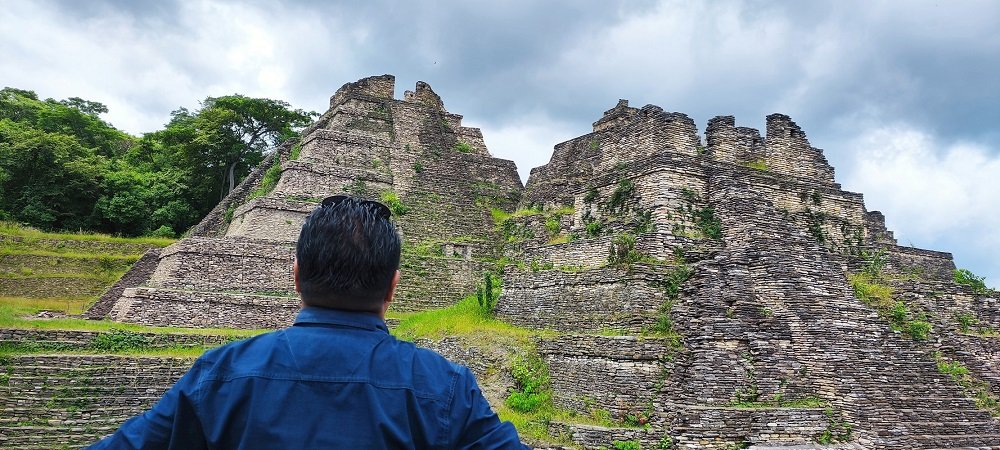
(201, 309)
(619, 374)
(428, 282)
(226, 265)
(382, 86)
(139, 274)
(593, 300)
(269, 218)
(927, 264)
(785, 149)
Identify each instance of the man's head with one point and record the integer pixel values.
(347, 256)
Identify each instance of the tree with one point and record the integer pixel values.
(236, 131)
(85, 106)
(47, 179)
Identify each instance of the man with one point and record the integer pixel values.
(336, 378)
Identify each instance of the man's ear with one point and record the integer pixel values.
(295, 275)
(392, 288)
(388, 295)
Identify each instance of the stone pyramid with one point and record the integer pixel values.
(696, 293)
(234, 268)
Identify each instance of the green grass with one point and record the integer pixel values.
(13, 229)
(18, 312)
(758, 164)
(125, 258)
(974, 387)
(870, 291)
(21, 306)
(179, 351)
(463, 319)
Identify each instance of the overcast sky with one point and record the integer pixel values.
(904, 97)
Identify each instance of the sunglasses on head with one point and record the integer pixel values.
(381, 211)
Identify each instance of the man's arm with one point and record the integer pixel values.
(474, 424)
(171, 424)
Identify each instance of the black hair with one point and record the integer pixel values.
(347, 255)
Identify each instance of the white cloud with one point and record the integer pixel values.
(528, 141)
(937, 195)
(142, 73)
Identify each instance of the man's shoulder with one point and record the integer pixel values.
(427, 357)
(238, 348)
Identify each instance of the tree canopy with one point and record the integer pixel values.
(63, 168)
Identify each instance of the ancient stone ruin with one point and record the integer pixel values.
(715, 292)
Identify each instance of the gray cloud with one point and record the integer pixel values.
(534, 73)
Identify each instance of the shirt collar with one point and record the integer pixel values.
(317, 315)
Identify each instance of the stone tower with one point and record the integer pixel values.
(707, 289)
(438, 177)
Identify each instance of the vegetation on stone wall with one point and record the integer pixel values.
(532, 390)
(623, 253)
(707, 225)
(462, 147)
(977, 283)
(758, 164)
(837, 429)
(871, 287)
(391, 199)
(269, 182)
(624, 191)
(488, 292)
(972, 385)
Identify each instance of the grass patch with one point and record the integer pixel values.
(975, 388)
(268, 183)
(462, 147)
(127, 258)
(21, 306)
(28, 233)
(758, 164)
(464, 318)
(15, 310)
(179, 351)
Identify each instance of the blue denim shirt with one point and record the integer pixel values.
(335, 379)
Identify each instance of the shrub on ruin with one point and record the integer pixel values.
(965, 321)
(553, 224)
(622, 193)
(462, 147)
(117, 340)
(623, 252)
(594, 228)
(966, 277)
(488, 293)
(627, 445)
(531, 378)
(918, 329)
(391, 199)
